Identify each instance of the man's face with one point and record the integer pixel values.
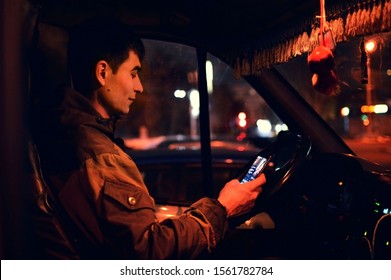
(121, 88)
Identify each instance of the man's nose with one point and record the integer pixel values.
(138, 86)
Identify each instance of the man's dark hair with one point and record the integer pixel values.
(99, 39)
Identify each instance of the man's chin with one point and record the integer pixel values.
(125, 111)
(121, 113)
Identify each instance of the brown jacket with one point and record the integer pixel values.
(102, 192)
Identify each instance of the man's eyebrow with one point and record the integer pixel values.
(137, 68)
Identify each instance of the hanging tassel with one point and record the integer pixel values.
(376, 15)
(386, 17)
(246, 67)
(237, 69)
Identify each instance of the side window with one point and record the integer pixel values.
(162, 110)
(168, 109)
(162, 130)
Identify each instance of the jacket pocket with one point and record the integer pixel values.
(129, 196)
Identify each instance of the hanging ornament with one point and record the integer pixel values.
(321, 63)
(321, 60)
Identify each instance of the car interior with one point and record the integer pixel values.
(324, 198)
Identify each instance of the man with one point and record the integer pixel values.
(96, 183)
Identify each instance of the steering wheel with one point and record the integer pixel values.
(287, 154)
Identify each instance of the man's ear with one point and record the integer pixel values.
(101, 72)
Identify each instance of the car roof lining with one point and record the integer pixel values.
(224, 25)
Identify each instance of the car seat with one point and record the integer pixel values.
(50, 237)
(48, 230)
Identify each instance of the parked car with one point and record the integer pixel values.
(235, 70)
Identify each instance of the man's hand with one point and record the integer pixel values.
(239, 198)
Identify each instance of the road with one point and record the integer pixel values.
(376, 149)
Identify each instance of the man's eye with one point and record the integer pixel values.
(134, 74)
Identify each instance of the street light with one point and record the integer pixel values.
(194, 97)
(370, 47)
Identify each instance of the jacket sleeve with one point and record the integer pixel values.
(126, 215)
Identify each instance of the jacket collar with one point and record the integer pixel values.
(78, 110)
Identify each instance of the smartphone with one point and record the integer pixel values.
(255, 169)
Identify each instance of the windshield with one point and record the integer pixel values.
(360, 110)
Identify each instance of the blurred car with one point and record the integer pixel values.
(239, 70)
(174, 174)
